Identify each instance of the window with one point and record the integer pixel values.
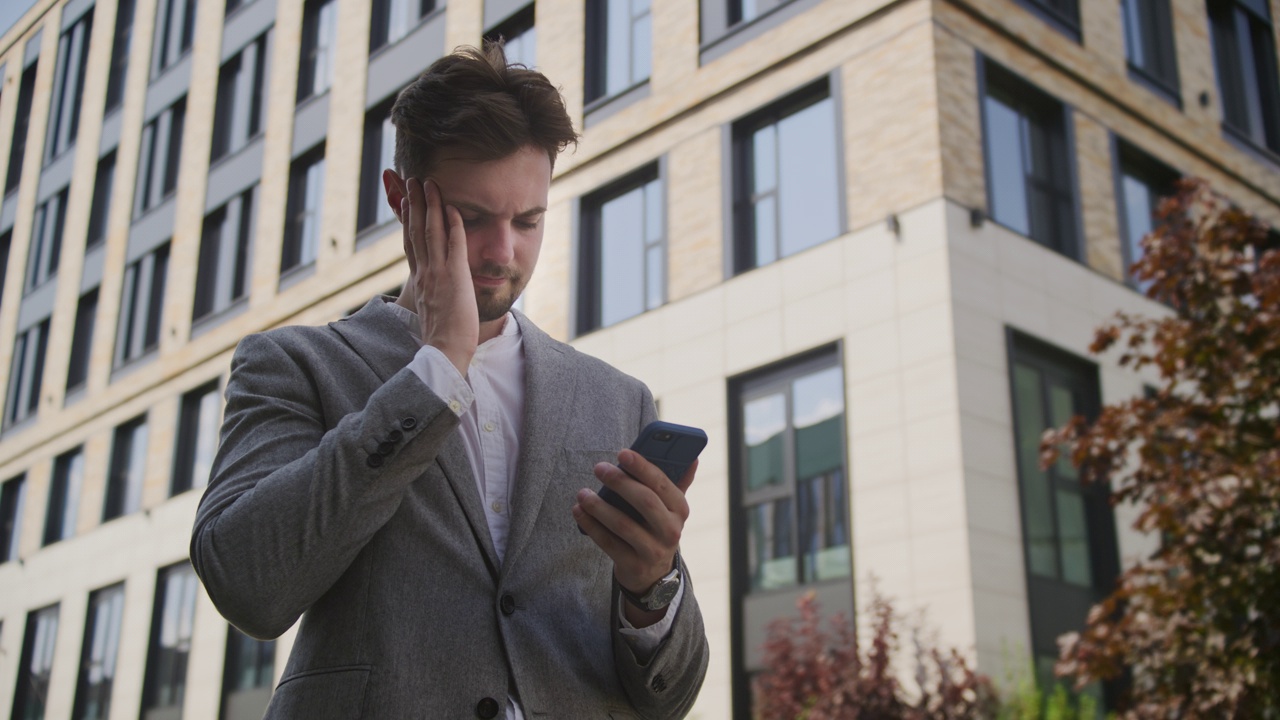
(302, 217)
(619, 47)
(241, 87)
(171, 626)
(32, 692)
(789, 520)
(82, 340)
(315, 68)
(6, 241)
(519, 38)
(103, 181)
(1064, 15)
(119, 55)
(379, 154)
(13, 495)
(1030, 177)
(233, 5)
(64, 496)
(175, 29)
(622, 267)
(26, 372)
(21, 123)
(1142, 182)
(1068, 529)
(128, 469)
(138, 328)
(393, 19)
(46, 240)
(1244, 52)
(198, 425)
(247, 676)
(786, 179)
(98, 654)
(1148, 43)
(68, 85)
(225, 247)
(158, 159)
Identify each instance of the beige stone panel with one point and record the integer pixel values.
(464, 22)
(1096, 176)
(561, 28)
(695, 226)
(959, 119)
(39, 474)
(675, 44)
(206, 662)
(93, 487)
(1196, 70)
(162, 430)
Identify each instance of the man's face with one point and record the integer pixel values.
(503, 204)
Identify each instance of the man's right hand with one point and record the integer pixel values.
(439, 275)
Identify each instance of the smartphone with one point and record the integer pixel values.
(672, 448)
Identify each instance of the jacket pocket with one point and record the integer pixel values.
(336, 693)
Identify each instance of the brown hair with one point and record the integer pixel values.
(472, 101)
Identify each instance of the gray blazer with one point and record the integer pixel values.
(341, 493)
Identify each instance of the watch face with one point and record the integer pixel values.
(663, 593)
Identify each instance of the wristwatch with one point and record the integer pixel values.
(661, 594)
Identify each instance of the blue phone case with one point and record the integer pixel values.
(671, 447)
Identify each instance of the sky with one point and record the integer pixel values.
(11, 10)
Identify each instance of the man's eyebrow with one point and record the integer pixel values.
(482, 210)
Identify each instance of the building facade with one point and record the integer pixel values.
(863, 243)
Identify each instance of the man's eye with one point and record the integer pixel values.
(527, 224)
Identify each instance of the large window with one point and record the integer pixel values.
(302, 215)
(46, 240)
(64, 496)
(100, 207)
(1142, 182)
(247, 676)
(1061, 14)
(13, 495)
(160, 154)
(1244, 52)
(379, 154)
(119, 55)
(26, 373)
(98, 654)
(789, 524)
(241, 90)
(315, 67)
(1068, 530)
(519, 37)
(198, 425)
(225, 248)
(141, 302)
(786, 178)
(619, 46)
(31, 696)
(623, 260)
(68, 85)
(720, 17)
(1030, 177)
(175, 29)
(1148, 43)
(21, 124)
(393, 19)
(128, 469)
(82, 340)
(171, 627)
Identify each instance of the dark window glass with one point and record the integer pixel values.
(119, 55)
(21, 123)
(623, 251)
(1061, 14)
(82, 340)
(141, 301)
(379, 154)
(13, 495)
(225, 247)
(790, 502)
(98, 654)
(64, 496)
(198, 425)
(246, 676)
(302, 217)
(128, 469)
(159, 156)
(1029, 172)
(391, 20)
(241, 84)
(175, 29)
(46, 240)
(26, 371)
(619, 47)
(6, 241)
(786, 179)
(1143, 181)
(234, 5)
(103, 182)
(31, 695)
(519, 37)
(315, 67)
(721, 17)
(171, 627)
(68, 85)
(1244, 52)
(1148, 43)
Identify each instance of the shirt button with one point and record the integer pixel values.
(497, 506)
(489, 427)
(455, 406)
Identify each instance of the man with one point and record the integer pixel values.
(412, 480)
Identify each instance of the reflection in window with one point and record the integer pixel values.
(1148, 43)
(519, 38)
(13, 495)
(1144, 181)
(175, 29)
(247, 676)
(619, 46)
(31, 696)
(198, 425)
(99, 650)
(379, 154)
(46, 240)
(319, 30)
(64, 496)
(68, 85)
(623, 263)
(171, 627)
(302, 218)
(225, 248)
(119, 55)
(141, 302)
(393, 19)
(26, 373)
(128, 469)
(1244, 53)
(239, 106)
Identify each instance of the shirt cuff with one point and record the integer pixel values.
(437, 373)
(645, 641)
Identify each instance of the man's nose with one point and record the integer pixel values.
(497, 245)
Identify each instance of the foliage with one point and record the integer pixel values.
(1027, 701)
(1193, 630)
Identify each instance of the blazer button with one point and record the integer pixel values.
(395, 436)
(374, 461)
(659, 683)
(508, 604)
(409, 423)
(386, 448)
(487, 708)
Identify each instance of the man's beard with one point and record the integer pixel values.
(493, 304)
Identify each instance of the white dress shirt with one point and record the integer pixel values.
(489, 403)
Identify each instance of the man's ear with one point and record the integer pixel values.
(395, 188)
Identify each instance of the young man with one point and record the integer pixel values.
(411, 480)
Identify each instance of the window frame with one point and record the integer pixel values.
(108, 601)
(315, 59)
(1152, 22)
(372, 210)
(521, 25)
(596, 90)
(240, 99)
(125, 481)
(226, 253)
(46, 240)
(234, 698)
(160, 157)
(122, 40)
(381, 22)
(1126, 154)
(172, 41)
(68, 86)
(65, 487)
(294, 244)
(13, 496)
(141, 306)
(191, 433)
(100, 205)
(1233, 63)
(158, 679)
(30, 679)
(26, 374)
(21, 127)
(86, 321)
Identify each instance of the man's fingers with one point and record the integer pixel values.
(456, 240)
(414, 222)
(671, 494)
(437, 238)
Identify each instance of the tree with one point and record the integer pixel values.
(1194, 630)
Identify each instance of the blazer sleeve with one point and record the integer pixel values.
(290, 503)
